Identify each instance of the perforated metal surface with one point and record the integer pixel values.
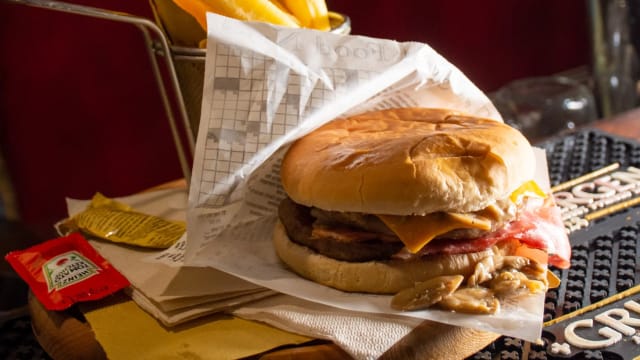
(606, 254)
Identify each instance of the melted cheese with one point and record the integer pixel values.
(417, 231)
(529, 188)
(552, 279)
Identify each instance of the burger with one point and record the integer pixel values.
(437, 208)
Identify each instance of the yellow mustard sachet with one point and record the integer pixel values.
(115, 221)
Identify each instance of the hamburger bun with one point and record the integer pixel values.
(385, 200)
(408, 161)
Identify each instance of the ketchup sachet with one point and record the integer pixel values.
(66, 270)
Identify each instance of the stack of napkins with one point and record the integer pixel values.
(170, 292)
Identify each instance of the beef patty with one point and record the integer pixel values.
(332, 237)
(357, 237)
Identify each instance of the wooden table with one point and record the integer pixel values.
(430, 340)
(626, 124)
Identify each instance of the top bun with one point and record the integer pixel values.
(407, 161)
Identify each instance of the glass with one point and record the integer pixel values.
(543, 106)
(615, 36)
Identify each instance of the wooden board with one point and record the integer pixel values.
(65, 335)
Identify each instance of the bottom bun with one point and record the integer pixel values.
(377, 277)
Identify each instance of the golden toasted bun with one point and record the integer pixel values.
(409, 161)
(377, 277)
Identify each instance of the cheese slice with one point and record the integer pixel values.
(529, 188)
(417, 231)
(552, 279)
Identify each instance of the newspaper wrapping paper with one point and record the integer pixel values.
(266, 86)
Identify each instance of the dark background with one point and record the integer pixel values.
(492, 42)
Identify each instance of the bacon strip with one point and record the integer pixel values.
(537, 226)
(545, 226)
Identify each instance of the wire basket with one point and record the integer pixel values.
(179, 76)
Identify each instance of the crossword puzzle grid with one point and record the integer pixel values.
(238, 124)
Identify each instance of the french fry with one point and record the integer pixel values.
(181, 27)
(253, 10)
(196, 8)
(311, 13)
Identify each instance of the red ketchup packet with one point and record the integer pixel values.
(66, 270)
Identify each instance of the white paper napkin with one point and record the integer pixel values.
(361, 335)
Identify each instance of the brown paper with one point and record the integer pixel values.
(125, 331)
